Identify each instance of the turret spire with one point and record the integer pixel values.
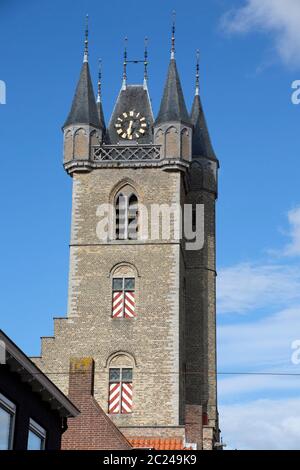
(173, 35)
(84, 109)
(124, 84)
(86, 42)
(172, 107)
(197, 72)
(201, 143)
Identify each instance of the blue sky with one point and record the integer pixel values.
(249, 59)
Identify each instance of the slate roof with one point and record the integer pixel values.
(101, 115)
(172, 107)
(84, 108)
(201, 144)
(134, 97)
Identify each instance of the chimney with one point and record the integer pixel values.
(92, 429)
(194, 425)
(81, 381)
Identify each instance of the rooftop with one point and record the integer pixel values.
(158, 443)
(19, 363)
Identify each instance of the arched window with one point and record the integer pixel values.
(120, 395)
(126, 210)
(123, 293)
(172, 143)
(80, 144)
(185, 144)
(94, 139)
(68, 150)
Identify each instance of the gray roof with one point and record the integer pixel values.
(101, 115)
(84, 108)
(135, 98)
(29, 373)
(201, 144)
(172, 107)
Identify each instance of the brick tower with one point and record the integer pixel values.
(143, 308)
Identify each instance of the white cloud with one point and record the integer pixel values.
(293, 248)
(279, 17)
(260, 341)
(237, 389)
(256, 285)
(261, 345)
(251, 286)
(262, 425)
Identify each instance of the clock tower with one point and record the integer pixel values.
(143, 307)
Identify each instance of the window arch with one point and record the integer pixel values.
(124, 293)
(185, 144)
(80, 143)
(172, 141)
(126, 214)
(68, 146)
(120, 395)
(159, 137)
(94, 138)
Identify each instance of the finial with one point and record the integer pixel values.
(125, 66)
(146, 63)
(99, 81)
(173, 35)
(86, 42)
(197, 72)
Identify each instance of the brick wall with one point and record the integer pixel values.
(152, 339)
(92, 429)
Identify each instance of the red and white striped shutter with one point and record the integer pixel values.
(127, 397)
(117, 308)
(114, 398)
(129, 307)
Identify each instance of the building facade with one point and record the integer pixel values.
(142, 306)
(33, 411)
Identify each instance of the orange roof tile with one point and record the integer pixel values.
(161, 443)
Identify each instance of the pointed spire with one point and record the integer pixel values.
(124, 84)
(173, 107)
(86, 42)
(173, 35)
(99, 97)
(201, 143)
(197, 72)
(84, 108)
(146, 64)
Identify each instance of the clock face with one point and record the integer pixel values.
(131, 125)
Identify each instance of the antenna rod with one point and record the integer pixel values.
(146, 62)
(125, 65)
(197, 72)
(173, 35)
(99, 81)
(86, 42)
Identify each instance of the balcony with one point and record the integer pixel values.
(129, 153)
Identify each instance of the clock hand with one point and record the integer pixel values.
(129, 130)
